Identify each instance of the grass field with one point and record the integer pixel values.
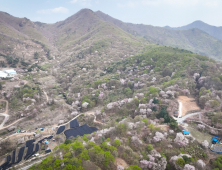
(200, 137)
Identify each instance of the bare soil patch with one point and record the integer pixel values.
(188, 104)
(164, 127)
(19, 135)
(119, 161)
(52, 145)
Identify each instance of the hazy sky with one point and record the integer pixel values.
(150, 12)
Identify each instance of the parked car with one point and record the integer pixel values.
(35, 155)
(23, 131)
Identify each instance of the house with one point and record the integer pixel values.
(10, 73)
(3, 74)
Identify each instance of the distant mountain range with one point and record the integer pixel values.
(193, 39)
(211, 30)
(93, 28)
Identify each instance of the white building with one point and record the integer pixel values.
(7, 73)
(10, 73)
(3, 74)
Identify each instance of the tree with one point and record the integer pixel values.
(180, 162)
(108, 158)
(153, 90)
(121, 128)
(173, 124)
(68, 141)
(128, 92)
(116, 143)
(133, 167)
(36, 55)
(149, 147)
(155, 101)
(151, 127)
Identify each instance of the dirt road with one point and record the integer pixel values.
(5, 114)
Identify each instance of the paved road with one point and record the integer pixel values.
(181, 120)
(180, 109)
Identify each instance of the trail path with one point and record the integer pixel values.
(1, 128)
(5, 114)
(93, 113)
(47, 98)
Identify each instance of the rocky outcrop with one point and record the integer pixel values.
(11, 128)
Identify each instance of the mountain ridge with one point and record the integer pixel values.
(203, 43)
(210, 29)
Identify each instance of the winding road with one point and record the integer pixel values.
(5, 114)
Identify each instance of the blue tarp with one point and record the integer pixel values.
(185, 132)
(215, 140)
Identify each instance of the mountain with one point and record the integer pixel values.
(211, 30)
(194, 40)
(107, 94)
(82, 32)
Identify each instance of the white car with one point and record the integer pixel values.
(35, 155)
(23, 131)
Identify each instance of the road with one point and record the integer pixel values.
(181, 120)
(180, 109)
(5, 114)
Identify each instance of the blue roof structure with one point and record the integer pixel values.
(46, 142)
(215, 139)
(185, 132)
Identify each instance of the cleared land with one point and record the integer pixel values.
(119, 161)
(188, 104)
